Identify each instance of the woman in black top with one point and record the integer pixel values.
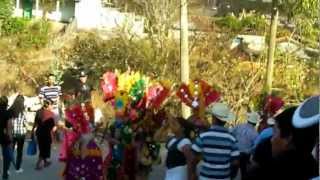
(5, 136)
(179, 149)
(44, 122)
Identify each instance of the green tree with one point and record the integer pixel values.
(304, 14)
(5, 12)
(5, 9)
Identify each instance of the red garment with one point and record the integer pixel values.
(47, 114)
(75, 115)
(130, 162)
(272, 104)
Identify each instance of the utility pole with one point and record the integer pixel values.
(272, 46)
(184, 50)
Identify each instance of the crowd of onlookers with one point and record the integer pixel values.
(276, 143)
(286, 148)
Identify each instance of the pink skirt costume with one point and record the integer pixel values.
(85, 164)
(88, 168)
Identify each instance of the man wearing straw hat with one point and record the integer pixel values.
(217, 147)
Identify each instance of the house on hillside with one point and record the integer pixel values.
(59, 10)
(88, 14)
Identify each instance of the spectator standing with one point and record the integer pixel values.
(218, 147)
(246, 134)
(44, 125)
(5, 136)
(19, 120)
(83, 89)
(52, 92)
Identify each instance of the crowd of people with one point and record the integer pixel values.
(278, 142)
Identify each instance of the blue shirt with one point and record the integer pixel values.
(218, 148)
(266, 133)
(245, 135)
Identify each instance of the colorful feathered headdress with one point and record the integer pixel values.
(157, 93)
(198, 94)
(127, 91)
(109, 85)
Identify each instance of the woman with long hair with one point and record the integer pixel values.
(5, 136)
(19, 121)
(44, 124)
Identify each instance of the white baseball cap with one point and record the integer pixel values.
(307, 113)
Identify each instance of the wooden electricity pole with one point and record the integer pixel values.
(184, 50)
(272, 46)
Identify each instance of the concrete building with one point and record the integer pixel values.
(88, 14)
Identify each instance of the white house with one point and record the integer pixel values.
(88, 14)
(62, 11)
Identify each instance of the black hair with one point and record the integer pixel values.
(17, 107)
(284, 122)
(187, 126)
(3, 102)
(217, 121)
(303, 139)
(47, 103)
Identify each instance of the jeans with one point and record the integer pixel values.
(7, 158)
(19, 140)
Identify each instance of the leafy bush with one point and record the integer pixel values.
(6, 8)
(35, 36)
(252, 22)
(230, 22)
(14, 26)
(89, 52)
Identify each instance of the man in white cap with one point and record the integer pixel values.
(246, 134)
(217, 147)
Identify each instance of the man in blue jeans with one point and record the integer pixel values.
(5, 136)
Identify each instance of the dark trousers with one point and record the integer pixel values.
(44, 145)
(19, 141)
(7, 157)
(244, 160)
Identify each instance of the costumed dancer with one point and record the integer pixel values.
(198, 95)
(82, 155)
(123, 161)
(149, 154)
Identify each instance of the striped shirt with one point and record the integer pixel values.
(50, 92)
(218, 148)
(19, 125)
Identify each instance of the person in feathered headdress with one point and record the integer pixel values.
(82, 155)
(198, 95)
(156, 96)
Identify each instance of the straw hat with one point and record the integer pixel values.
(253, 117)
(222, 112)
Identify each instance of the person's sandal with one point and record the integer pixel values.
(46, 164)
